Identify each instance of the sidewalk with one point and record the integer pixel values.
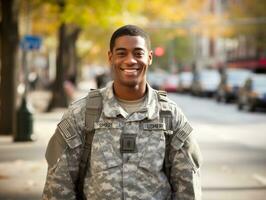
(22, 164)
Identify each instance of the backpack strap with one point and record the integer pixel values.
(92, 115)
(166, 117)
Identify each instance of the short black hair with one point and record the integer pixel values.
(130, 30)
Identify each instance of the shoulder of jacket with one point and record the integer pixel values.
(74, 117)
(165, 102)
(78, 104)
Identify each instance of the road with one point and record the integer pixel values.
(233, 145)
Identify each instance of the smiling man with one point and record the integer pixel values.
(130, 56)
(126, 141)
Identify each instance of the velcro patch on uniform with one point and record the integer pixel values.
(106, 124)
(154, 126)
(184, 132)
(66, 130)
(128, 143)
(103, 125)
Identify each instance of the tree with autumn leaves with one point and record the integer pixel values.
(249, 21)
(96, 18)
(169, 24)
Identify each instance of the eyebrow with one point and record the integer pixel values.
(120, 49)
(135, 49)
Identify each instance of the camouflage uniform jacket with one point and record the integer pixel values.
(127, 176)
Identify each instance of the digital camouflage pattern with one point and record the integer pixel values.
(116, 175)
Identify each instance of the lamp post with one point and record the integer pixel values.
(24, 115)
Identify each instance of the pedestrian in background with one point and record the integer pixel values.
(124, 141)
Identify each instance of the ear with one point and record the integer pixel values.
(150, 56)
(110, 57)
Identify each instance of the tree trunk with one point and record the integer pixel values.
(72, 36)
(9, 47)
(66, 60)
(59, 98)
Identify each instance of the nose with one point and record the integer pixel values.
(130, 59)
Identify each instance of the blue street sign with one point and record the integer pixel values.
(31, 42)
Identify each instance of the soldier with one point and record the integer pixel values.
(140, 146)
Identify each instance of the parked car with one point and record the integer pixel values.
(253, 93)
(156, 79)
(185, 81)
(231, 80)
(170, 84)
(205, 82)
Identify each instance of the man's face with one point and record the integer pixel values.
(130, 59)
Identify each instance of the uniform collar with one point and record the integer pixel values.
(112, 109)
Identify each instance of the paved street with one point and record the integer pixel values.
(233, 145)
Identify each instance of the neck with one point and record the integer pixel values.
(130, 93)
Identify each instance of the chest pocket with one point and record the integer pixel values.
(153, 154)
(105, 151)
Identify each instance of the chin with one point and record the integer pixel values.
(130, 83)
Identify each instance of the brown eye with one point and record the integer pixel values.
(120, 54)
(139, 54)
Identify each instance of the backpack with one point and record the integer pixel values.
(92, 114)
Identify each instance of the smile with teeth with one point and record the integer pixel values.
(130, 71)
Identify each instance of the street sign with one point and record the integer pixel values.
(31, 42)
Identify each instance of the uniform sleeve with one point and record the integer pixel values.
(185, 158)
(63, 155)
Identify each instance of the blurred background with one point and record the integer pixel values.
(210, 55)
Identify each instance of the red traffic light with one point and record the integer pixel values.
(159, 51)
